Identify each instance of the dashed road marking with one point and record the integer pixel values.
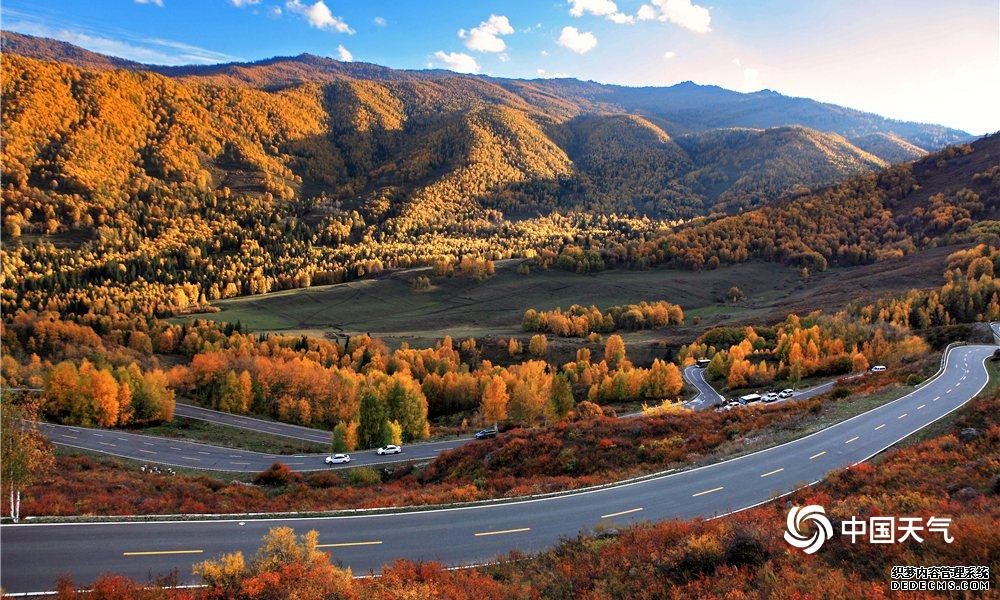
(880, 427)
(156, 552)
(901, 416)
(346, 544)
(620, 513)
(772, 472)
(855, 438)
(708, 491)
(817, 455)
(503, 531)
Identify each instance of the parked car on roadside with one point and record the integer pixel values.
(878, 369)
(390, 449)
(337, 459)
(786, 393)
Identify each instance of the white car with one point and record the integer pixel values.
(878, 368)
(786, 393)
(770, 397)
(337, 459)
(390, 449)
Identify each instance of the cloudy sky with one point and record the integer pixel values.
(919, 60)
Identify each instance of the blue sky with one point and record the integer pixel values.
(918, 60)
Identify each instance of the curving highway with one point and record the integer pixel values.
(195, 455)
(288, 430)
(35, 554)
(708, 397)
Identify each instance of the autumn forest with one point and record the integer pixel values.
(136, 199)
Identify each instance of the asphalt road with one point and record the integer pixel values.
(708, 397)
(182, 453)
(33, 555)
(288, 430)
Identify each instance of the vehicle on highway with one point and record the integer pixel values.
(750, 398)
(786, 393)
(337, 459)
(878, 369)
(486, 433)
(390, 449)
(702, 363)
(770, 397)
(729, 405)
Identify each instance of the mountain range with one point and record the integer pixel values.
(421, 150)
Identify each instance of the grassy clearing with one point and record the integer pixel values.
(387, 306)
(231, 437)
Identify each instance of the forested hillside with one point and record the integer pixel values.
(157, 191)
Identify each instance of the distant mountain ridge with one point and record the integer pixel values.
(422, 150)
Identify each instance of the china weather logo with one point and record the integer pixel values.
(799, 518)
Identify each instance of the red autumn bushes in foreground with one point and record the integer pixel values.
(740, 556)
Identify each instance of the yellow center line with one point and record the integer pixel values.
(921, 406)
(852, 439)
(503, 531)
(817, 455)
(772, 472)
(707, 491)
(345, 544)
(156, 552)
(879, 426)
(624, 512)
(901, 416)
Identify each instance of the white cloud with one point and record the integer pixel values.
(275, 11)
(242, 3)
(669, 54)
(621, 18)
(751, 76)
(544, 52)
(380, 21)
(153, 51)
(344, 54)
(319, 16)
(457, 61)
(679, 12)
(156, 2)
(503, 56)
(486, 37)
(577, 41)
(600, 8)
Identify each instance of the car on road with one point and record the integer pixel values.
(729, 405)
(701, 363)
(878, 369)
(486, 433)
(786, 393)
(337, 459)
(390, 449)
(770, 397)
(750, 398)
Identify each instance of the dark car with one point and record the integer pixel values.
(486, 433)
